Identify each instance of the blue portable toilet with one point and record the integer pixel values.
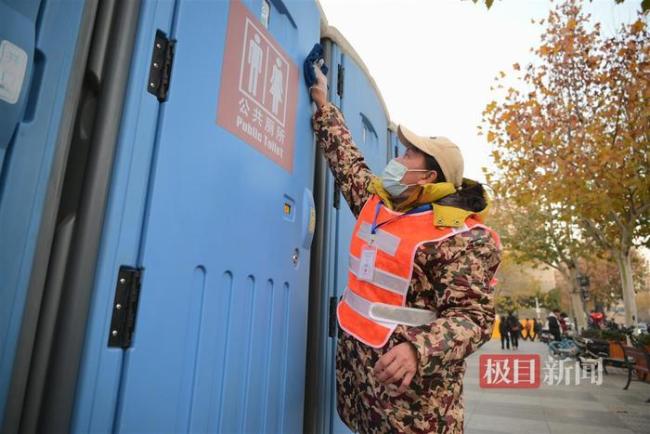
(173, 288)
(157, 216)
(44, 49)
(210, 219)
(355, 92)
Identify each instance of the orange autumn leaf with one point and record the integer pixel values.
(572, 132)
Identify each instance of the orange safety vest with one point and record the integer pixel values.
(387, 283)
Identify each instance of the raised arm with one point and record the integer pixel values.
(344, 158)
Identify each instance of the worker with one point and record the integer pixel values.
(419, 296)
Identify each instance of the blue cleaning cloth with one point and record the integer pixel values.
(315, 56)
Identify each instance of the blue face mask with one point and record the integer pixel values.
(392, 177)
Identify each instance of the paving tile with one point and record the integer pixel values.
(560, 402)
(581, 428)
(571, 409)
(506, 425)
(516, 411)
(574, 415)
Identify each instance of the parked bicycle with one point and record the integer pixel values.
(563, 349)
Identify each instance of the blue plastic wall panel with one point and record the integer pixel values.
(368, 123)
(220, 338)
(28, 156)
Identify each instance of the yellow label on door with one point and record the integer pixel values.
(312, 220)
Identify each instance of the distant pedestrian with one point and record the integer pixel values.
(554, 325)
(503, 331)
(526, 330)
(597, 320)
(514, 327)
(564, 323)
(537, 329)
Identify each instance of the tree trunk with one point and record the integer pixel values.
(577, 303)
(624, 262)
(570, 273)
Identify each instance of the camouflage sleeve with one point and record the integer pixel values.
(346, 161)
(461, 269)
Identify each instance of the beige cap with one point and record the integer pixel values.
(446, 153)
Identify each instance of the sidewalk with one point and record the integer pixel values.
(572, 409)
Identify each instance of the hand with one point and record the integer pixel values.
(318, 91)
(398, 364)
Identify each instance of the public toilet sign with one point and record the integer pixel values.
(259, 85)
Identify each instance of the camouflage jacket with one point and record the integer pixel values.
(451, 276)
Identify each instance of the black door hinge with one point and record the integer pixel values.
(332, 318)
(160, 70)
(339, 80)
(125, 306)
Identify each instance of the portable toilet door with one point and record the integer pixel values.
(320, 386)
(222, 259)
(354, 91)
(367, 118)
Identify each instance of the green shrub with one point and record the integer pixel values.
(592, 333)
(612, 335)
(643, 340)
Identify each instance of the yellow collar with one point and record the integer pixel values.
(450, 216)
(444, 215)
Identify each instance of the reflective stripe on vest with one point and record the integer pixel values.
(387, 314)
(382, 239)
(371, 308)
(383, 279)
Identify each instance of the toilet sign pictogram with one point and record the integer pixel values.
(259, 85)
